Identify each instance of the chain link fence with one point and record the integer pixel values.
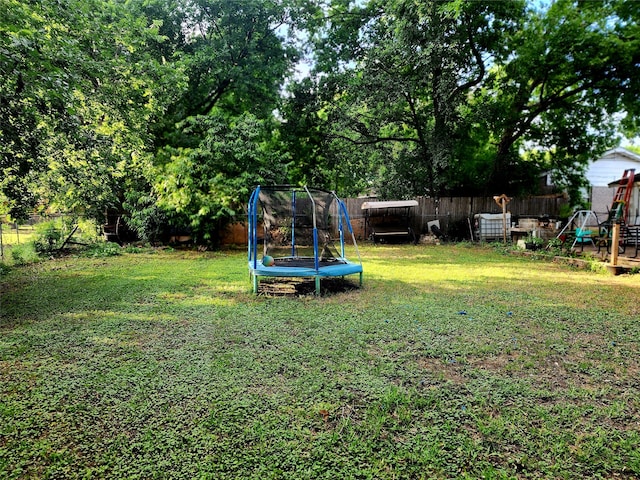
(20, 233)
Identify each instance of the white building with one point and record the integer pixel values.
(607, 169)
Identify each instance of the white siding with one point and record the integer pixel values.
(611, 166)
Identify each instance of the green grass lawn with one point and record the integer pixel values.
(450, 362)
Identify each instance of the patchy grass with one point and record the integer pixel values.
(451, 362)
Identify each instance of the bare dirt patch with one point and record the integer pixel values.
(283, 287)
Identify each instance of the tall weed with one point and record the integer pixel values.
(24, 254)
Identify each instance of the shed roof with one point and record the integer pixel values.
(390, 204)
(615, 183)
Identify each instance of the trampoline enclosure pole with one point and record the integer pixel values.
(350, 228)
(315, 230)
(340, 227)
(254, 217)
(250, 226)
(293, 223)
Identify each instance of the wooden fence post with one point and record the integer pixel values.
(615, 240)
(502, 201)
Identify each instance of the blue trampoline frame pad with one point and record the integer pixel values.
(339, 270)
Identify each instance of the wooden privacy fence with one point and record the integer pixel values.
(455, 214)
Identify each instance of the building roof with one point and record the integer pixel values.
(610, 165)
(621, 151)
(615, 183)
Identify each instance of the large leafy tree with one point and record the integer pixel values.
(78, 93)
(201, 186)
(236, 57)
(399, 75)
(447, 96)
(574, 70)
(314, 157)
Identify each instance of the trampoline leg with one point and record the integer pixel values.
(255, 283)
(317, 286)
(361, 279)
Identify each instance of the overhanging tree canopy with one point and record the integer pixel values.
(447, 95)
(175, 108)
(77, 94)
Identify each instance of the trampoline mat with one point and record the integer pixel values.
(307, 262)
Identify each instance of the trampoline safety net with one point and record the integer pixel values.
(288, 217)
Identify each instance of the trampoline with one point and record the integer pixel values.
(290, 235)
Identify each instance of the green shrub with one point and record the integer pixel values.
(4, 269)
(102, 249)
(51, 235)
(24, 254)
(596, 265)
(87, 232)
(48, 237)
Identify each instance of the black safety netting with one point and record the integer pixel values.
(289, 216)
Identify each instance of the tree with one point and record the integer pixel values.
(573, 68)
(78, 92)
(236, 58)
(414, 66)
(233, 54)
(202, 187)
(451, 94)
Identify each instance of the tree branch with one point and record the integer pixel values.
(478, 57)
(545, 105)
(210, 101)
(375, 140)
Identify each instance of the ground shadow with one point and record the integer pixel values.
(298, 287)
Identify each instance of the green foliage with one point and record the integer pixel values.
(87, 232)
(49, 237)
(444, 97)
(535, 240)
(24, 254)
(561, 87)
(556, 246)
(136, 249)
(402, 100)
(216, 140)
(4, 268)
(596, 265)
(79, 91)
(234, 58)
(633, 148)
(202, 187)
(102, 250)
(145, 217)
(169, 111)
